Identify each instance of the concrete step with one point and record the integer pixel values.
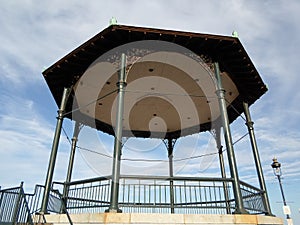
(163, 219)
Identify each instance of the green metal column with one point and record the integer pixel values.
(170, 146)
(71, 158)
(259, 170)
(222, 166)
(239, 207)
(55, 143)
(114, 194)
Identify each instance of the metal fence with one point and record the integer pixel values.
(154, 194)
(137, 194)
(14, 207)
(253, 199)
(173, 195)
(92, 195)
(35, 199)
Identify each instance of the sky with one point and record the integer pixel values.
(35, 34)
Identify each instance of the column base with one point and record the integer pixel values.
(113, 211)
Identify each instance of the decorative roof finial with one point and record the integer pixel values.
(235, 34)
(113, 21)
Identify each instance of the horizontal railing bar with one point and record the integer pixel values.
(168, 206)
(56, 182)
(90, 180)
(10, 190)
(82, 188)
(251, 195)
(35, 190)
(167, 178)
(87, 200)
(250, 186)
(175, 204)
(86, 207)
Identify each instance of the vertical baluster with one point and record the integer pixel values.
(2, 205)
(145, 198)
(139, 196)
(96, 197)
(106, 191)
(160, 197)
(94, 187)
(76, 195)
(128, 194)
(190, 193)
(220, 198)
(215, 197)
(200, 197)
(7, 203)
(154, 195)
(102, 193)
(180, 196)
(196, 198)
(150, 201)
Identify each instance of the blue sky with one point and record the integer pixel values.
(35, 34)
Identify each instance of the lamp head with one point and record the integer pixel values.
(276, 167)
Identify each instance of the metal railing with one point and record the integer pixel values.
(14, 207)
(253, 199)
(91, 195)
(173, 195)
(35, 200)
(137, 194)
(55, 205)
(157, 194)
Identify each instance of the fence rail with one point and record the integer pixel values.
(252, 198)
(157, 194)
(137, 194)
(14, 207)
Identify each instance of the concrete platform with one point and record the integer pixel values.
(164, 219)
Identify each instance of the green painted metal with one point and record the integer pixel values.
(229, 144)
(53, 155)
(118, 138)
(222, 166)
(259, 170)
(72, 157)
(14, 207)
(113, 21)
(17, 205)
(170, 146)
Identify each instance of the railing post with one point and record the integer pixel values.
(54, 149)
(28, 213)
(228, 140)
(114, 195)
(3, 203)
(171, 144)
(222, 166)
(1, 199)
(71, 161)
(249, 124)
(17, 205)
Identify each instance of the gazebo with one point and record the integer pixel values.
(131, 81)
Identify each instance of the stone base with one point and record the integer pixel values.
(163, 219)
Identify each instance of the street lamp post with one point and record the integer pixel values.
(277, 172)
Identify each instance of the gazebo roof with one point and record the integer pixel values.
(242, 81)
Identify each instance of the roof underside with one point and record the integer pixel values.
(240, 77)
